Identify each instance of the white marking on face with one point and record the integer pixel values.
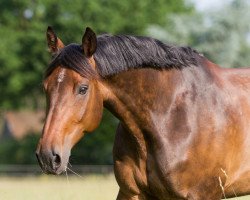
(61, 76)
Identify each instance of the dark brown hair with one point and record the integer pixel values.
(119, 53)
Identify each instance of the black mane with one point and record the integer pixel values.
(119, 53)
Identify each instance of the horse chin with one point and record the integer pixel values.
(63, 167)
(60, 170)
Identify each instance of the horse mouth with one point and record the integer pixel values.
(50, 169)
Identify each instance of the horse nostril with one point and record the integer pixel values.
(57, 160)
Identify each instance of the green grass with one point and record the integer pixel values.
(58, 188)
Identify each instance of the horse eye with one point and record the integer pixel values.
(83, 89)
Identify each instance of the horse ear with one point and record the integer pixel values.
(54, 43)
(89, 42)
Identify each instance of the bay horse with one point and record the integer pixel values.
(184, 130)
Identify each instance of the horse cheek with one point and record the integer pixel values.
(94, 113)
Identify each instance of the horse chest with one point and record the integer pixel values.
(150, 173)
(157, 178)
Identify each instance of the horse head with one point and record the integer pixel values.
(74, 101)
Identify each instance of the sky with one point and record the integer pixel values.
(203, 5)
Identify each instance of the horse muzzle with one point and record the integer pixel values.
(52, 161)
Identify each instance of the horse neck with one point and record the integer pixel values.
(137, 94)
(140, 97)
(136, 91)
(144, 91)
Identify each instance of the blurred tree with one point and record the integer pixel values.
(96, 148)
(21, 151)
(223, 35)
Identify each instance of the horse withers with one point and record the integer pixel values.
(184, 130)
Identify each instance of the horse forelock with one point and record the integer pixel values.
(72, 57)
